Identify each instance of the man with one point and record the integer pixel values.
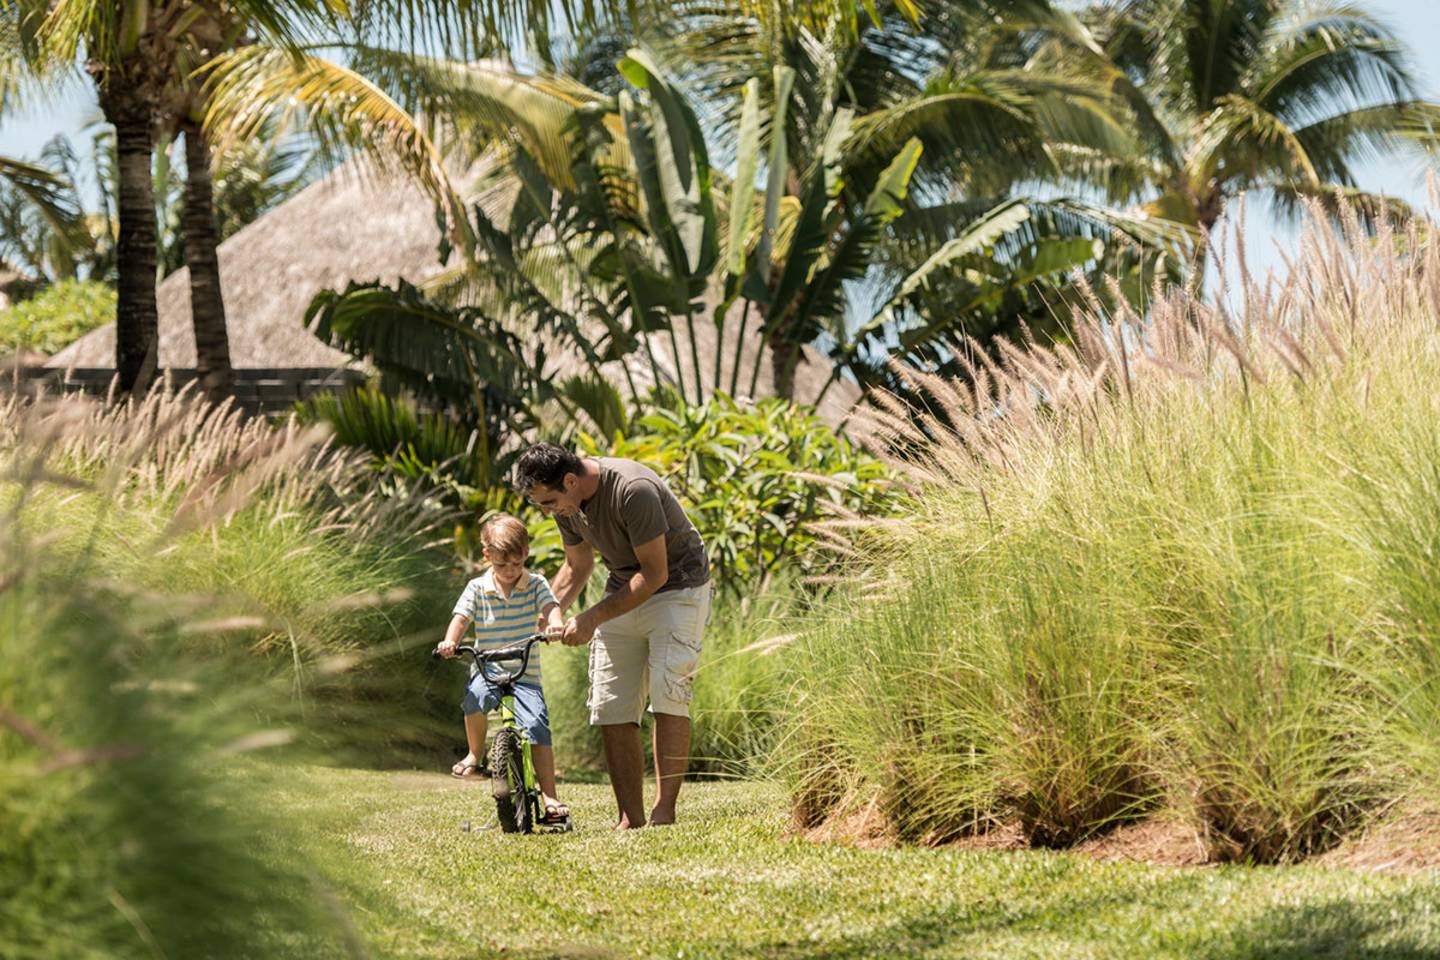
(645, 633)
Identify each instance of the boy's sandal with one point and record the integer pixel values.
(556, 813)
(468, 770)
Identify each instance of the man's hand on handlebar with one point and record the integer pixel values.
(446, 649)
(578, 630)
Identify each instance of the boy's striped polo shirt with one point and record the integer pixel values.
(498, 621)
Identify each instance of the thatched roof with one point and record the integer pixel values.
(340, 229)
(346, 228)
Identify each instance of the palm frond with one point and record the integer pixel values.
(254, 86)
(1239, 137)
(1338, 202)
(48, 201)
(475, 365)
(1325, 55)
(1341, 141)
(485, 104)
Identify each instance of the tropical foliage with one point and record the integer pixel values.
(1279, 97)
(149, 63)
(980, 246)
(42, 230)
(56, 317)
(754, 478)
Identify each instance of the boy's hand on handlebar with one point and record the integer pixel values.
(446, 648)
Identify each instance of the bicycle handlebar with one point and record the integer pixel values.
(520, 651)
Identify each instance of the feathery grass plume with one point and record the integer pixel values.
(255, 520)
(120, 834)
(1186, 559)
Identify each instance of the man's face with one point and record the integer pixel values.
(557, 503)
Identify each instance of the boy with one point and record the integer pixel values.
(507, 603)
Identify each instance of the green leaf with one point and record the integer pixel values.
(747, 160)
(778, 167)
(677, 188)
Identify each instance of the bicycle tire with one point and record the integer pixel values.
(507, 783)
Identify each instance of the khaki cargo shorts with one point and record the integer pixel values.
(654, 649)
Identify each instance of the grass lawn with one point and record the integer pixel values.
(728, 882)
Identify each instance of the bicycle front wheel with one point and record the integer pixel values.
(507, 782)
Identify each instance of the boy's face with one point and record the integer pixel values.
(557, 503)
(507, 569)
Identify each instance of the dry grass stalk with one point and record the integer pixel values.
(206, 462)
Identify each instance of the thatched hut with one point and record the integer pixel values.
(345, 228)
(336, 230)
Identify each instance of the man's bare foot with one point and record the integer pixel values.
(625, 824)
(661, 818)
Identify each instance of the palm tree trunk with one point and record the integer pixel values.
(136, 324)
(782, 365)
(695, 355)
(207, 305)
(1208, 210)
(740, 349)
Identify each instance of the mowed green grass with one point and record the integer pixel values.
(729, 882)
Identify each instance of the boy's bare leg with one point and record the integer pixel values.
(627, 771)
(672, 756)
(475, 738)
(544, 760)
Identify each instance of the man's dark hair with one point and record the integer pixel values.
(546, 464)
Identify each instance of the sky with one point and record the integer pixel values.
(1415, 21)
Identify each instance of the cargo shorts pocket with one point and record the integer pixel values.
(675, 651)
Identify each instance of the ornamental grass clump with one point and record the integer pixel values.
(127, 697)
(270, 530)
(1184, 564)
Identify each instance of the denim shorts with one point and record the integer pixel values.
(530, 711)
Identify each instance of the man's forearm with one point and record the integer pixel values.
(568, 584)
(636, 591)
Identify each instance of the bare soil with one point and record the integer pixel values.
(1406, 842)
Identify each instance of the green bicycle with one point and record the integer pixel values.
(512, 772)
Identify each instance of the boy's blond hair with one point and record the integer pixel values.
(505, 537)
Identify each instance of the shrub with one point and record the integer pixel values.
(56, 317)
(151, 550)
(273, 529)
(753, 477)
(1186, 561)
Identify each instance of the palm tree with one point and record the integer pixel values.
(978, 88)
(1277, 96)
(42, 228)
(140, 53)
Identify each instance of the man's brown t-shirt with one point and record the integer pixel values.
(633, 506)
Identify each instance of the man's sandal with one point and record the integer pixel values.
(555, 813)
(469, 770)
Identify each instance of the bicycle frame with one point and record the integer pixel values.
(508, 722)
(504, 683)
